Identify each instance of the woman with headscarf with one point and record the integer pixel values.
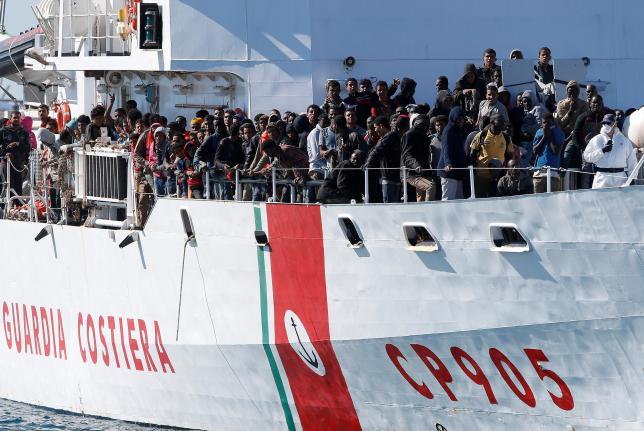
(453, 155)
(27, 124)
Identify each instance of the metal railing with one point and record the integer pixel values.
(272, 182)
(109, 180)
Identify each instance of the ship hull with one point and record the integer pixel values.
(308, 333)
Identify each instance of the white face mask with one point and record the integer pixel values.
(607, 129)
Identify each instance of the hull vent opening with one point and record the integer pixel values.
(351, 232)
(419, 238)
(508, 238)
(261, 238)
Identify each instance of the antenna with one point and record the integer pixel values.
(3, 8)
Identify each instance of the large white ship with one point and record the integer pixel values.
(504, 313)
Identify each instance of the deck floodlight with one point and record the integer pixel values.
(131, 238)
(47, 230)
(187, 223)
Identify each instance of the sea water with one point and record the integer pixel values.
(17, 416)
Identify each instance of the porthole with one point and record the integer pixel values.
(350, 231)
(508, 238)
(419, 238)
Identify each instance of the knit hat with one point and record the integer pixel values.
(45, 137)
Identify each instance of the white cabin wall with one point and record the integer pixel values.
(289, 49)
(427, 39)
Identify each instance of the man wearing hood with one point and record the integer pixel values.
(468, 92)
(301, 124)
(416, 158)
(570, 108)
(453, 155)
(612, 153)
(406, 95)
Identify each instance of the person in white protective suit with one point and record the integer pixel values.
(612, 153)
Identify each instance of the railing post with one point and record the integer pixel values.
(404, 176)
(635, 173)
(366, 185)
(274, 178)
(548, 182)
(8, 197)
(237, 194)
(472, 191)
(208, 184)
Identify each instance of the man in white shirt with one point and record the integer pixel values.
(612, 153)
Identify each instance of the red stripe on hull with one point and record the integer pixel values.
(323, 402)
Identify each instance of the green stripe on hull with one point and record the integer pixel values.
(265, 338)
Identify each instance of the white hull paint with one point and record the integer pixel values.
(576, 296)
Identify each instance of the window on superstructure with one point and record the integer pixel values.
(351, 232)
(419, 238)
(508, 237)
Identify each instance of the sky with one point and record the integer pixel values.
(19, 16)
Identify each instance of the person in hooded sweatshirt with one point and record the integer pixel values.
(469, 91)
(301, 124)
(416, 157)
(453, 155)
(444, 104)
(27, 124)
(406, 95)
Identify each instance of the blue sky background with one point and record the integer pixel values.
(19, 16)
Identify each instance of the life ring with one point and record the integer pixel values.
(67, 114)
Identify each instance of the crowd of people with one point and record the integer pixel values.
(321, 154)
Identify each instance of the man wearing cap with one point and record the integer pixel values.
(612, 153)
(569, 109)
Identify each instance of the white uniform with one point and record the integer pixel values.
(622, 156)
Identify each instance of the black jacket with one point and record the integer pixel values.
(19, 154)
(345, 183)
(416, 151)
(453, 147)
(386, 155)
(347, 143)
(229, 153)
(302, 127)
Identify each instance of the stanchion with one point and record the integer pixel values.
(472, 192)
(366, 185)
(237, 194)
(207, 184)
(548, 183)
(404, 175)
(274, 178)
